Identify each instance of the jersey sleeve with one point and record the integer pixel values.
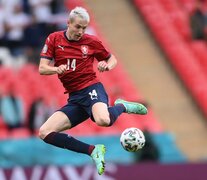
(48, 48)
(101, 53)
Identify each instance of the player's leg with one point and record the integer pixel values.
(104, 115)
(98, 109)
(56, 123)
(51, 132)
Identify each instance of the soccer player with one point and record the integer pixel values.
(74, 52)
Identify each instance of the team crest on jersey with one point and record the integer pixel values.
(84, 50)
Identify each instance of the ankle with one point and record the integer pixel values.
(90, 149)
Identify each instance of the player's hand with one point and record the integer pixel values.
(61, 69)
(103, 66)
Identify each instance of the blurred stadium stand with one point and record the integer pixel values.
(19, 148)
(174, 36)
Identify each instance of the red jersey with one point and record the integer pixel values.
(77, 55)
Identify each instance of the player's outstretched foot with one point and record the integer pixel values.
(98, 157)
(132, 107)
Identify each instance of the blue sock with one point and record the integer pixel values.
(115, 112)
(67, 142)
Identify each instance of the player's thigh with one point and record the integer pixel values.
(58, 122)
(75, 113)
(100, 113)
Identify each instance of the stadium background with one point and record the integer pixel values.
(160, 65)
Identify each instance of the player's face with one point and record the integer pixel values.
(76, 28)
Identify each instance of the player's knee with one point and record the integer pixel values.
(103, 121)
(43, 132)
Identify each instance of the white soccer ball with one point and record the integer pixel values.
(132, 139)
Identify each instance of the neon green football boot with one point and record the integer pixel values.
(98, 157)
(132, 107)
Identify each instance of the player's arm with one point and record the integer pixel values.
(107, 65)
(46, 69)
(112, 62)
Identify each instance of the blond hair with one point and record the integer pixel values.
(79, 12)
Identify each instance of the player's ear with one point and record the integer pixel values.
(68, 22)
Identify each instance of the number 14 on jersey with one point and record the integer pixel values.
(71, 64)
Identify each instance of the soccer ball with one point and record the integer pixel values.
(132, 139)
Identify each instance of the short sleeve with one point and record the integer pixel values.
(48, 48)
(101, 53)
